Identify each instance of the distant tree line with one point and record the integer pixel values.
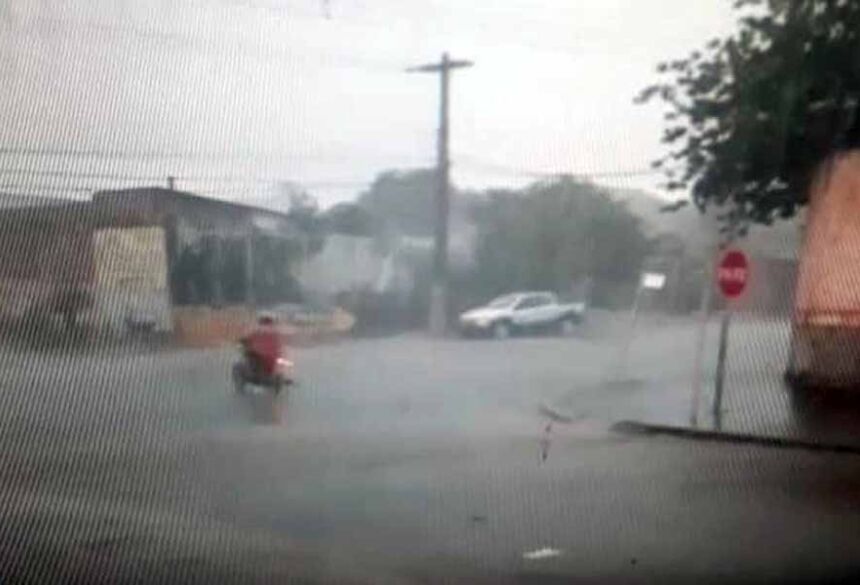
(548, 235)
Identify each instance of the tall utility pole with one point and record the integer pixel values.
(439, 292)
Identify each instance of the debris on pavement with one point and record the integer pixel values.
(541, 553)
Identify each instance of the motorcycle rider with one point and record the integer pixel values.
(263, 346)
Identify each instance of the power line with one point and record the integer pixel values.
(29, 200)
(475, 162)
(152, 154)
(75, 175)
(272, 181)
(212, 45)
(94, 153)
(478, 25)
(467, 161)
(56, 188)
(235, 179)
(97, 153)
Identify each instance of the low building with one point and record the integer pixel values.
(195, 268)
(45, 261)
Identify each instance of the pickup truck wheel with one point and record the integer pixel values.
(501, 330)
(567, 326)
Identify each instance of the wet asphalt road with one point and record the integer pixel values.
(398, 460)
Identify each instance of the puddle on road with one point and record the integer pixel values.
(263, 408)
(556, 422)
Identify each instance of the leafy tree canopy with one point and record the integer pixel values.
(751, 117)
(351, 219)
(305, 214)
(552, 234)
(404, 200)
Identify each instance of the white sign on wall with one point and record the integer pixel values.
(653, 280)
(131, 275)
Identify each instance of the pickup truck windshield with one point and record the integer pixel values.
(503, 302)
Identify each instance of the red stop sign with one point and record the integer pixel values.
(733, 273)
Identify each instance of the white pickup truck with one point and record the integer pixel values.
(522, 312)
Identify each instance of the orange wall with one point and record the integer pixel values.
(828, 285)
(208, 327)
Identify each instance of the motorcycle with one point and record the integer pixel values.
(248, 372)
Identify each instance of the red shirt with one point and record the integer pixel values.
(265, 343)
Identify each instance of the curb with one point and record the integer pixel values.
(631, 427)
(553, 414)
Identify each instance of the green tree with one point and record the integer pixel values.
(404, 200)
(751, 117)
(351, 219)
(304, 212)
(552, 234)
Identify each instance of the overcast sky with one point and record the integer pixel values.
(314, 92)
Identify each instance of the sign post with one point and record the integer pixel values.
(721, 369)
(647, 281)
(704, 317)
(732, 277)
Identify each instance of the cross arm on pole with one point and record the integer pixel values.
(436, 67)
(428, 68)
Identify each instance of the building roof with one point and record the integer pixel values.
(161, 192)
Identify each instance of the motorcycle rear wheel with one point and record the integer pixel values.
(238, 379)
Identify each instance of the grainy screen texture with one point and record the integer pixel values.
(401, 291)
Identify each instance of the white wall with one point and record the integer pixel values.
(345, 263)
(131, 275)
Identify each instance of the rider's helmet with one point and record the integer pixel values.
(266, 319)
